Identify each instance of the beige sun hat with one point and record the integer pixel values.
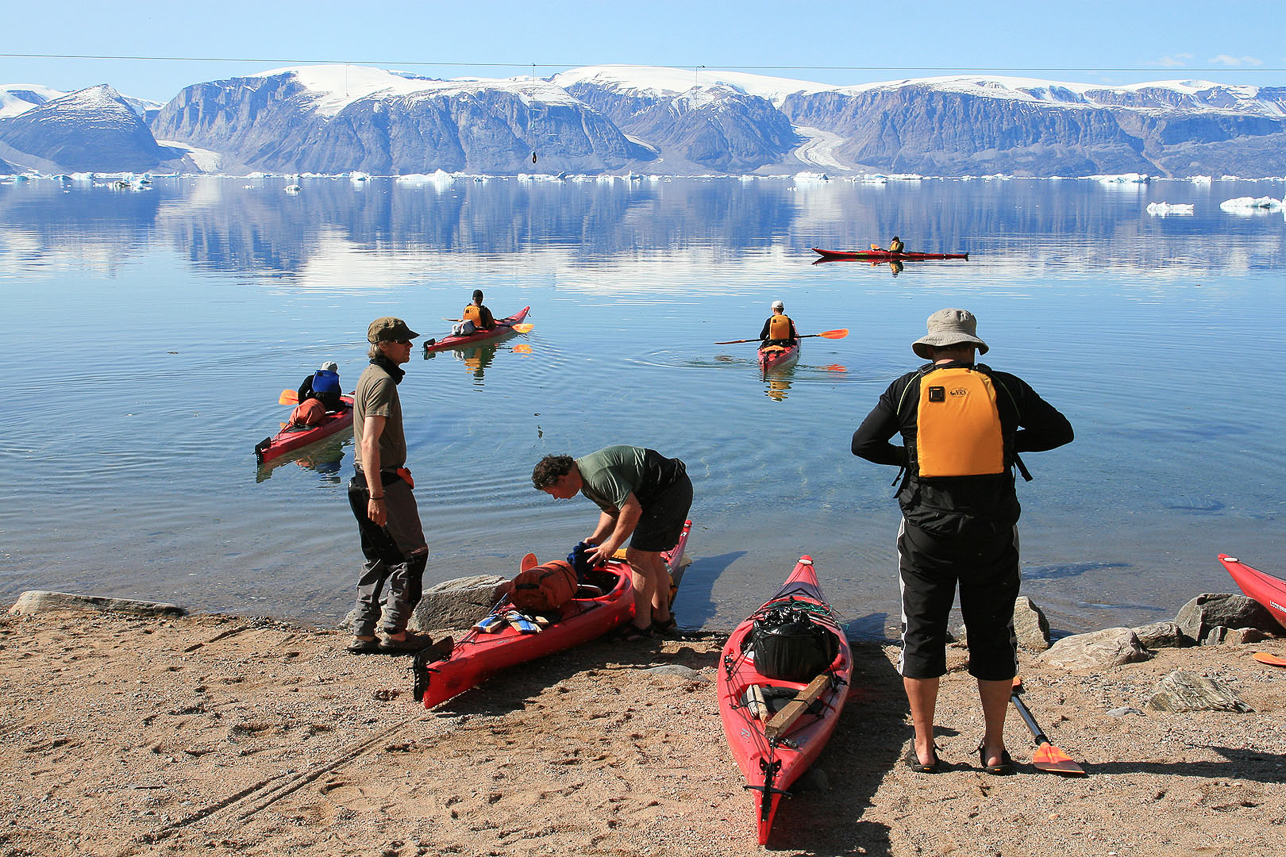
(949, 327)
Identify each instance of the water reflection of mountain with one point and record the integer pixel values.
(251, 227)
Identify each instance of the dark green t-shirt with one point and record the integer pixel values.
(610, 475)
(376, 396)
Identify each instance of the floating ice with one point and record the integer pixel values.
(1164, 209)
(1124, 178)
(1251, 204)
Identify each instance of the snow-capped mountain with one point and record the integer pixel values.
(334, 119)
(93, 129)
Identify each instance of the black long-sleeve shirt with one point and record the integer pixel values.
(1028, 422)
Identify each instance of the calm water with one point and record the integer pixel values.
(148, 335)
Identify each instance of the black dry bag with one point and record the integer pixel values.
(789, 645)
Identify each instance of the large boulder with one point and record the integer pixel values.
(1110, 647)
(1162, 635)
(1210, 610)
(454, 603)
(1182, 691)
(1030, 625)
(39, 601)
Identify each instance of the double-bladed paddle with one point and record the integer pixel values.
(1047, 757)
(825, 334)
(288, 397)
(516, 328)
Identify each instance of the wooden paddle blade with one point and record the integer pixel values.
(288, 397)
(834, 334)
(1049, 758)
(528, 562)
(523, 328)
(1270, 659)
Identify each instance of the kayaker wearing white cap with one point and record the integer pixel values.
(962, 425)
(318, 394)
(778, 329)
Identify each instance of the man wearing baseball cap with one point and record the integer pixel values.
(778, 329)
(962, 425)
(382, 501)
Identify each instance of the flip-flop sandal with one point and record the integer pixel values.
(630, 633)
(1003, 769)
(913, 762)
(669, 628)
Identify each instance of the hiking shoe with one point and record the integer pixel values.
(410, 642)
(364, 646)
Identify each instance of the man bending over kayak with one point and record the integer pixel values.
(644, 497)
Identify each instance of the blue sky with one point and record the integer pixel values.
(824, 41)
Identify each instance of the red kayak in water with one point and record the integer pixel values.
(1269, 590)
(882, 256)
(777, 726)
(292, 437)
(607, 603)
(503, 328)
(772, 357)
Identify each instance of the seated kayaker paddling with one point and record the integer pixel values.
(778, 329)
(476, 317)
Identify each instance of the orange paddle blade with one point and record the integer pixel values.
(876, 247)
(1049, 758)
(835, 367)
(528, 562)
(523, 328)
(834, 334)
(288, 397)
(1270, 659)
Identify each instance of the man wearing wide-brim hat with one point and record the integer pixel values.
(382, 500)
(962, 425)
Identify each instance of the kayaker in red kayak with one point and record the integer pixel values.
(896, 245)
(318, 395)
(381, 498)
(644, 497)
(962, 427)
(778, 329)
(476, 317)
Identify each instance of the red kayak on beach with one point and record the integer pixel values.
(1269, 590)
(882, 255)
(596, 609)
(292, 437)
(504, 327)
(773, 357)
(776, 727)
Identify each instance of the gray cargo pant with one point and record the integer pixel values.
(396, 555)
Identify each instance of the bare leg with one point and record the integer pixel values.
(922, 694)
(995, 704)
(651, 587)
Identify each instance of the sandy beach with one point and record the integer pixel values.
(224, 735)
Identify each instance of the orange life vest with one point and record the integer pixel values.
(958, 429)
(779, 327)
(473, 314)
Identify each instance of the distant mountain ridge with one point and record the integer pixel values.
(618, 119)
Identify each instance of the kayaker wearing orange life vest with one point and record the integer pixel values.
(643, 497)
(778, 329)
(963, 425)
(477, 315)
(896, 245)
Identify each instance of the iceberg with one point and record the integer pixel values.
(1164, 209)
(1251, 204)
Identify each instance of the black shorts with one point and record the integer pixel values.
(987, 573)
(663, 517)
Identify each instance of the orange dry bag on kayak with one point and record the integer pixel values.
(545, 587)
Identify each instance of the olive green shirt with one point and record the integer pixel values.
(376, 396)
